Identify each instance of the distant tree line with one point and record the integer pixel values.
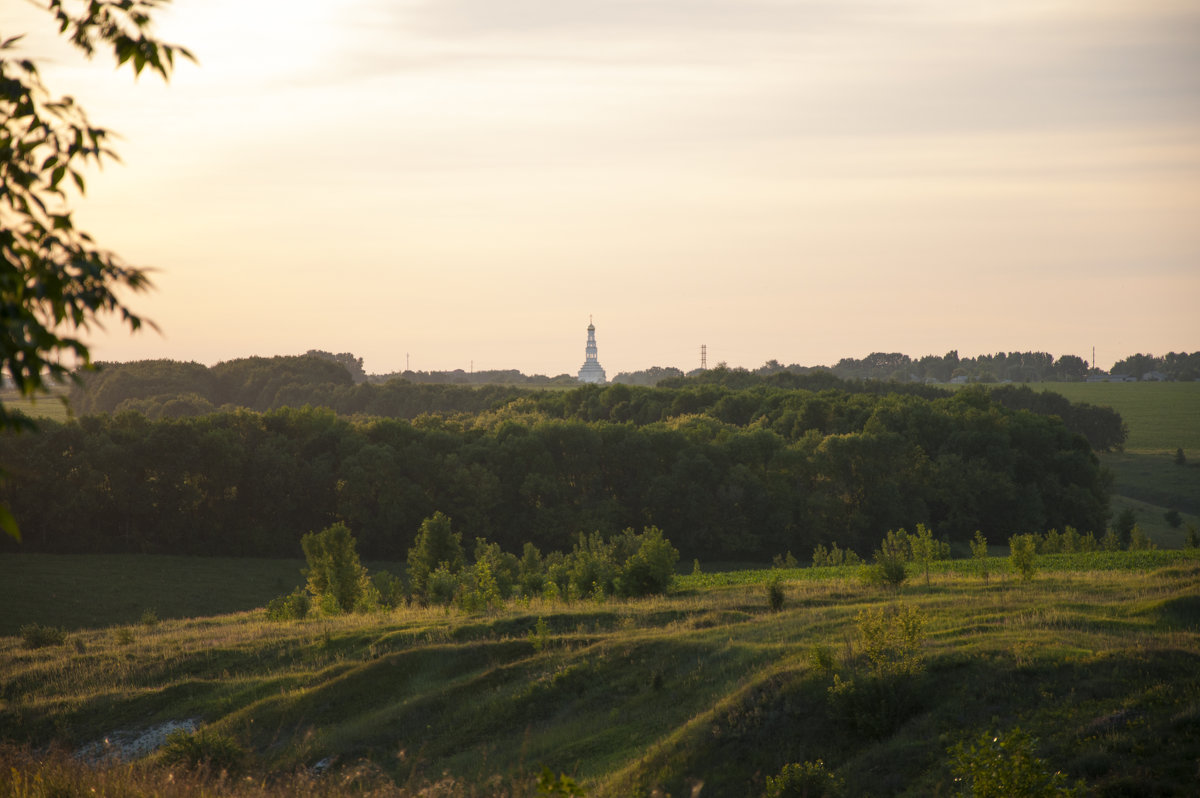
(894, 367)
(724, 474)
(1182, 366)
(172, 389)
(485, 377)
(780, 400)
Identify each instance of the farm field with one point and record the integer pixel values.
(1161, 417)
(43, 407)
(1097, 658)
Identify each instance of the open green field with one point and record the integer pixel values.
(1161, 416)
(1098, 658)
(50, 406)
(76, 591)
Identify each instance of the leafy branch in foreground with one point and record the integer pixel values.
(55, 282)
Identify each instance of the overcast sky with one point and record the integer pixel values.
(465, 182)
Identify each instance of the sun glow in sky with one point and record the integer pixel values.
(464, 182)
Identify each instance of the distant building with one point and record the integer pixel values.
(591, 371)
(1154, 376)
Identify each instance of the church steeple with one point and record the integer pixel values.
(591, 371)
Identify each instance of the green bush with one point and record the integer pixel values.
(888, 570)
(292, 607)
(479, 591)
(389, 588)
(833, 556)
(1003, 765)
(1022, 555)
(785, 561)
(591, 569)
(651, 568)
(149, 618)
(336, 579)
(807, 780)
(203, 749)
(979, 553)
(437, 546)
(1139, 541)
(441, 586)
(893, 639)
(34, 635)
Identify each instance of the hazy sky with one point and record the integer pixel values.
(466, 181)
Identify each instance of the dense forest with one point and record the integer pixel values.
(726, 472)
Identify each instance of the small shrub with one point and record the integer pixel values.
(979, 553)
(34, 635)
(1173, 518)
(1000, 766)
(892, 639)
(1193, 537)
(822, 659)
(149, 618)
(441, 586)
(888, 570)
(292, 607)
(651, 568)
(833, 556)
(335, 576)
(775, 595)
(1180, 457)
(785, 561)
(539, 635)
(479, 590)
(390, 587)
(203, 749)
(807, 780)
(1123, 526)
(124, 636)
(1022, 555)
(1139, 541)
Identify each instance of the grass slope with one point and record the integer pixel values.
(1161, 417)
(1098, 658)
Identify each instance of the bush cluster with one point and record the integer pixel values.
(629, 564)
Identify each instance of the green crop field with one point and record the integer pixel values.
(1161, 416)
(74, 591)
(1097, 658)
(50, 406)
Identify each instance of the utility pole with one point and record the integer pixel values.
(703, 357)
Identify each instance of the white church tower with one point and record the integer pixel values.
(591, 371)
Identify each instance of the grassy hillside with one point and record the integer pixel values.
(1161, 417)
(1098, 658)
